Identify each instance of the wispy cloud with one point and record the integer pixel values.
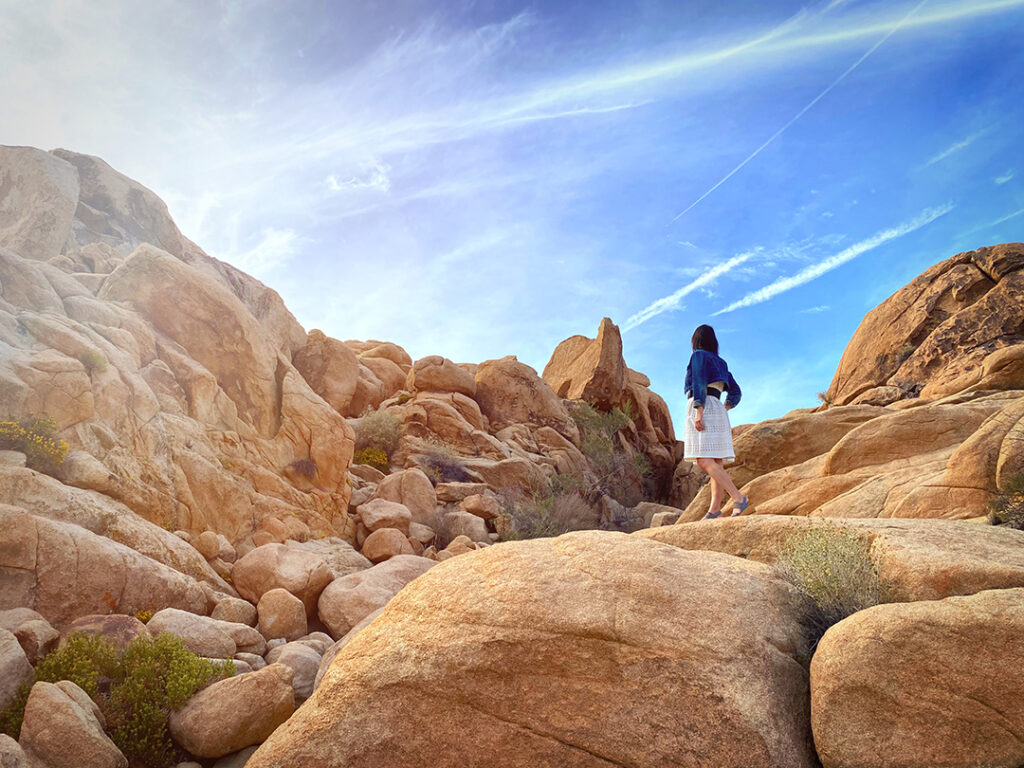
(827, 265)
(815, 310)
(275, 248)
(374, 177)
(673, 301)
(806, 108)
(954, 148)
(1013, 215)
(1000, 180)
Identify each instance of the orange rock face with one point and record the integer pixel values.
(589, 369)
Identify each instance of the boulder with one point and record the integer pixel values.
(234, 713)
(485, 507)
(348, 600)
(15, 669)
(439, 374)
(200, 634)
(544, 652)
(385, 543)
(916, 559)
(37, 638)
(923, 684)
(331, 369)
(460, 523)
(414, 490)
(587, 369)
(235, 610)
(334, 649)
(281, 614)
(61, 731)
(119, 629)
(11, 753)
(301, 572)
(303, 661)
(380, 513)
(510, 392)
(207, 544)
(456, 492)
(39, 201)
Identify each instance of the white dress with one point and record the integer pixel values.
(715, 442)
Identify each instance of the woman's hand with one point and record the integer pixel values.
(729, 406)
(698, 422)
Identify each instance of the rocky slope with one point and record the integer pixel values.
(210, 490)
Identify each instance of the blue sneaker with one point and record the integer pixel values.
(739, 507)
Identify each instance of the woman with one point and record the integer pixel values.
(707, 435)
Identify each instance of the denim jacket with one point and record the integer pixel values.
(703, 368)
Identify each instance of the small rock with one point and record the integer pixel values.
(381, 513)
(12, 459)
(424, 534)
(253, 660)
(207, 544)
(237, 760)
(281, 614)
(11, 753)
(37, 639)
(486, 507)
(465, 524)
(236, 610)
(386, 543)
(304, 663)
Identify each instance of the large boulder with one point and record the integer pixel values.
(281, 614)
(301, 572)
(15, 669)
(62, 729)
(207, 636)
(916, 559)
(118, 628)
(413, 489)
(331, 369)
(385, 543)
(234, 713)
(924, 684)
(544, 652)
(439, 374)
(380, 513)
(581, 368)
(510, 392)
(37, 205)
(348, 600)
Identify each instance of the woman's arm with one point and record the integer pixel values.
(733, 397)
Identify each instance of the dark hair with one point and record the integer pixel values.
(704, 338)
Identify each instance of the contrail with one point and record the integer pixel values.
(804, 111)
(784, 284)
(666, 303)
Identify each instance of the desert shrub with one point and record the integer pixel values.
(558, 509)
(93, 360)
(825, 398)
(135, 689)
(304, 467)
(373, 457)
(33, 436)
(442, 536)
(378, 429)
(403, 398)
(833, 566)
(441, 463)
(1007, 508)
(614, 472)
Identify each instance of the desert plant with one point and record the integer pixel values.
(1007, 508)
(552, 512)
(441, 463)
(833, 566)
(373, 457)
(825, 398)
(33, 436)
(614, 472)
(378, 429)
(304, 467)
(135, 689)
(94, 361)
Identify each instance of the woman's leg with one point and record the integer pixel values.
(717, 493)
(717, 472)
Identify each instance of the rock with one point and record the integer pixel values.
(335, 648)
(517, 472)
(340, 557)
(465, 524)
(380, 513)
(281, 614)
(303, 661)
(302, 573)
(544, 651)
(235, 610)
(254, 661)
(510, 392)
(658, 519)
(12, 458)
(15, 669)
(348, 600)
(37, 183)
(11, 753)
(367, 473)
(922, 684)
(207, 544)
(200, 634)
(386, 543)
(589, 369)
(647, 510)
(455, 492)
(424, 534)
(687, 480)
(37, 638)
(439, 374)
(486, 507)
(60, 731)
(331, 369)
(234, 713)
(237, 760)
(119, 629)
(64, 571)
(916, 559)
(318, 641)
(412, 489)
(13, 618)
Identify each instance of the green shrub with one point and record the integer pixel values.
(833, 566)
(441, 463)
(94, 361)
(373, 457)
(615, 472)
(378, 429)
(135, 689)
(1007, 508)
(33, 436)
(557, 510)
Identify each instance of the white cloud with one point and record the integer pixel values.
(1013, 215)
(827, 265)
(815, 310)
(1004, 178)
(275, 248)
(374, 177)
(673, 301)
(954, 148)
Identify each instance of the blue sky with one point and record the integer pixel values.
(479, 179)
